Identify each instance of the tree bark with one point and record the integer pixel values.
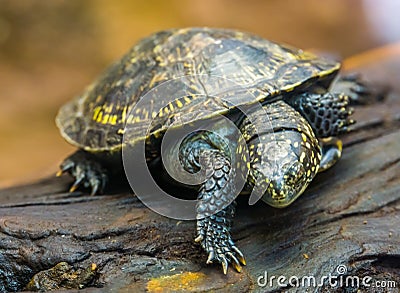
(348, 219)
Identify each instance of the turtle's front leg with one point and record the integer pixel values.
(216, 207)
(327, 113)
(329, 116)
(214, 235)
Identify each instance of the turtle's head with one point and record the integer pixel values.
(283, 167)
(285, 185)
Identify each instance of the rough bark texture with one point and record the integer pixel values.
(349, 216)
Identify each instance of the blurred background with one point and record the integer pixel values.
(51, 49)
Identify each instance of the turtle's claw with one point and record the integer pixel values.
(242, 260)
(73, 187)
(235, 262)
(64, 167)
(97, 184)
(215, 238)
(95, 188)
(211, 256)
(79, 178)
(240, 254)
(198, 238)
(237, 267)
(224, 263)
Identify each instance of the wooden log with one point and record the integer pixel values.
(348, 219)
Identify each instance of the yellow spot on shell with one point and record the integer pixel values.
(105, 119)
(179, 104)
(302, 157)
(183, 282)
(99, 117)
(113, 120)
(146, 115)
(123, 117)
(96, 112)
(187, 100)
(108, 109)
(130, 119)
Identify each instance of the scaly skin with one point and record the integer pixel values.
(213, 220)
(216, 206)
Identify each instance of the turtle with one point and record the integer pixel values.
(302, 98)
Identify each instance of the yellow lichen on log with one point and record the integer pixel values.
(187, 281)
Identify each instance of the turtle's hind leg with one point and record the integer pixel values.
(328, 114)
(86, 171)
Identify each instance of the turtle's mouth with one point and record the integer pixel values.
(282, 191)
(281, 198)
